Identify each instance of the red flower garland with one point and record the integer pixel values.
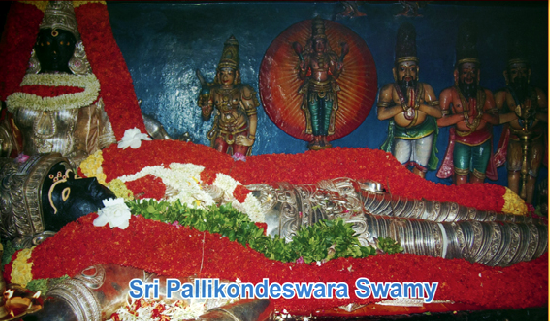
(308, 168)
(178, 252)
(148, 186)
(108, 65)
(49, 91)
(18, 39)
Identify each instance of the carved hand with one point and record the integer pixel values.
(244, 141)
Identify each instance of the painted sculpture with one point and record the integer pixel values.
(524, 111)
(471, 110)
(412, 107)
(72, 123)
(285, 82)
(235, 122)
(319, 90)
(41, 194)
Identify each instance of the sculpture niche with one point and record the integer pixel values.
(312, 92)
(73, 124)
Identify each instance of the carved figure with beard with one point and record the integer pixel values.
(412, 107)
(471, 110)
(523, 108)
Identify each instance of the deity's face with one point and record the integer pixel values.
(468, 73)
(54, 49)
(468, 78)
(227, 76)
(320, 45)
(71, 198)
(518, 74)
(407, 73)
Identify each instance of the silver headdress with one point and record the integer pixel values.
(60, 15)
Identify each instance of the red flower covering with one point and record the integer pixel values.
(50, 91)
(118, 162)
(108, 65)
(178, 252)
(362, 164)
(148, 186)
(240, 193)
(19, 35)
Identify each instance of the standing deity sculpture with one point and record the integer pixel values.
(471, 110)
(524, 111)
(73, 123)
(412, 107)
(236, 120)
(319, 67)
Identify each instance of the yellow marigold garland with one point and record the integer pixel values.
(22, 270)
(513, 204)
(119, 188)
(91, 167)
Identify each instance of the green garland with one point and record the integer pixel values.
(325, 240)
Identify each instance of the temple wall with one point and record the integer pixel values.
(163, 44)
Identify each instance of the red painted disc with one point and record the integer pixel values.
(279, 81)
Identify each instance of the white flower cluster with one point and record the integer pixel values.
(227, 183)
(175, 311)
(251, 207)
(184, 178)
(116, 213)
(132, 138)
(62, 102)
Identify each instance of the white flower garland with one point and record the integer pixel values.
(185, 179)
(62, 102)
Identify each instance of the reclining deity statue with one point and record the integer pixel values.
(441, 229)
(42, 194)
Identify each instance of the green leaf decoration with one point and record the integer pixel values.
(325, 240)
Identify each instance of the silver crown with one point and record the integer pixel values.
(60, 15)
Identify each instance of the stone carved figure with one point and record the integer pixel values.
(471, 110)
(41, 194)
(236, 120)
(524, 111)
(320, 90)
(73, 124)
(412, 107)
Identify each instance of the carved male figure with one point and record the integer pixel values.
(320, 88)
(471, 109)
(234, 129)
(412, 107)
(524, 111)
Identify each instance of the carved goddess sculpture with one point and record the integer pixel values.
(71, 123)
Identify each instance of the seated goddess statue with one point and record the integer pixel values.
(64, 119)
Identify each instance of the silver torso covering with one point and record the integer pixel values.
(441, 229)
(47, 131)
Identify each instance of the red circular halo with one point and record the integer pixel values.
(279, 82)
